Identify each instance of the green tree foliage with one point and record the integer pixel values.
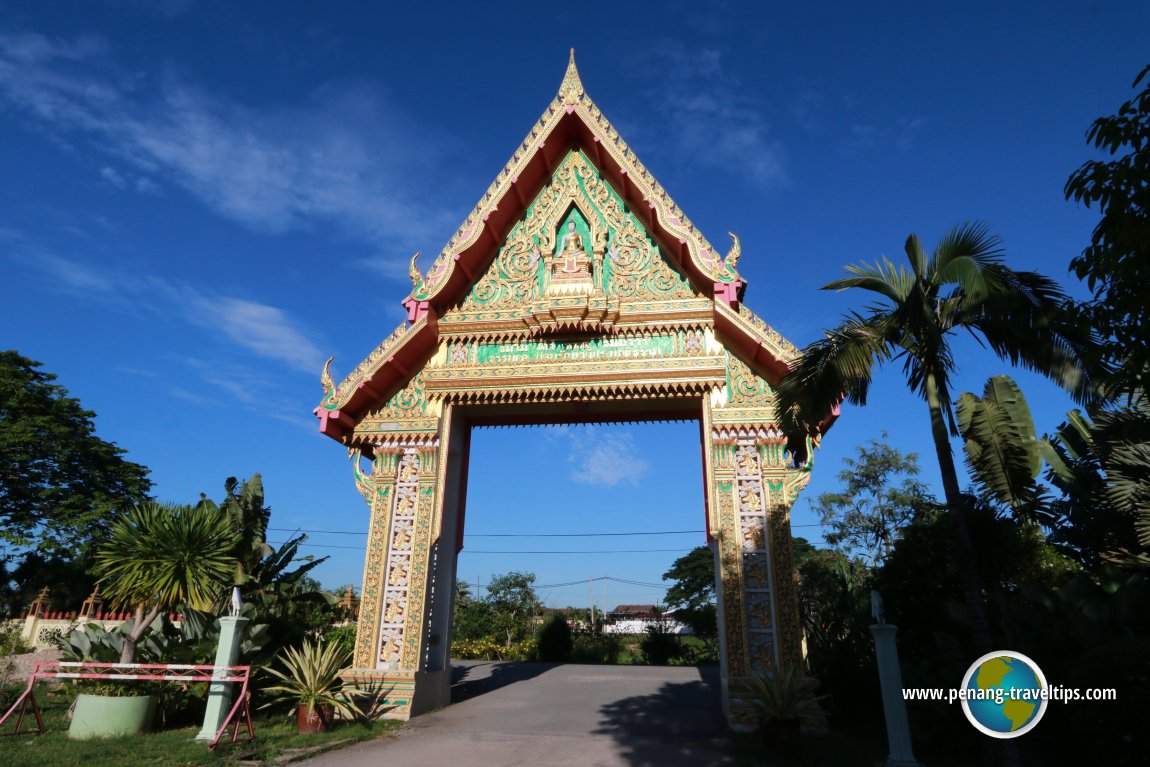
(834, 606)
(1116, 265)
(962, 285)
(693, 576)
(505, 614)
(1003, 451)
(275, 579)
(1102, 468)
(659, 646)
(59, 482)
(692, 597)
(1093, 631)
(924, 596)
(67, 578)
(513, 604)
(865, 516)
(157, 556)
(555, 640)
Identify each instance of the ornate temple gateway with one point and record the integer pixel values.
(575, 291)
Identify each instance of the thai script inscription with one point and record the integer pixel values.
(563, 351)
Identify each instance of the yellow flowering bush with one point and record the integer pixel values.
(489, 649)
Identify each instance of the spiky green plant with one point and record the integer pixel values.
(786, 694)
(159, 555)
(310, 676)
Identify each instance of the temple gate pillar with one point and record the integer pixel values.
(751, 480)
(402, 490)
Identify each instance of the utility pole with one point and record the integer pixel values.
(605, 608)
(591, 600)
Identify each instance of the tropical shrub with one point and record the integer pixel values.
(660, 647)
(595, 648)
(343, 636)
(555, 640)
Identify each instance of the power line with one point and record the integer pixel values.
(573, 551)
(583, 582)
(523, 535)
(479, 551)
(502, 535)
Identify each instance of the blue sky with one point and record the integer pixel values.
(201, 200)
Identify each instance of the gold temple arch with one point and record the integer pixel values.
(518, 322)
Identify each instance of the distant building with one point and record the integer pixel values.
(635, 619)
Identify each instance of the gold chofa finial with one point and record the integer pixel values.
(325, 377)
(571, 90)
(414, 273)
(732, 260)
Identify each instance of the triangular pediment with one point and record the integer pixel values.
(574, 253)
(572, 122)
(578, 259)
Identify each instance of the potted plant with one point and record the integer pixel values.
(310, 679)
(786, 703)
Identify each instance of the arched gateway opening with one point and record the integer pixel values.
(575, 291)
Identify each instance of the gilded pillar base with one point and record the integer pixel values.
(400, 694)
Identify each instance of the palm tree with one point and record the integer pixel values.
(157, 556)
(961, 286)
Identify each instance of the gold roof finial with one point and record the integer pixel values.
(414, 273)
(325, 379)
(732, 260)
(571, 90)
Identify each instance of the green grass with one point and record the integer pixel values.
(171, 748)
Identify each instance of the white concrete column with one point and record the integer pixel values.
(894, 707)
(220, 693)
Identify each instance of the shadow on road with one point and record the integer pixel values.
(681, 723)
(474, 679)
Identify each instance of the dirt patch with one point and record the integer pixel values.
(23, 665)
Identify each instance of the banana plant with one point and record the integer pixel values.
(1003, 450)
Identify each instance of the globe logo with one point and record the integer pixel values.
(1004, 694)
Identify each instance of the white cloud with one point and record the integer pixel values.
(273, 168)
(251, 389)
(261, 329)
(604, 459)
(264, 330)
(711, 120)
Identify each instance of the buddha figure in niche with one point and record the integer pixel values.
(571, 262)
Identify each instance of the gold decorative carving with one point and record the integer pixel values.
(536, 261)
(414, 273)
(786, 587)
(325, 379)
(365, 368)
(731, 262)
(746, 388)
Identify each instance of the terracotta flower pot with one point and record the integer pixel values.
(311, 718)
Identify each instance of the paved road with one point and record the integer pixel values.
(538, 714)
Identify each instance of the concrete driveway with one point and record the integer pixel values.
(540, 714)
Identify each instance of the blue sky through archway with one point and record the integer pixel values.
(595, 482)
